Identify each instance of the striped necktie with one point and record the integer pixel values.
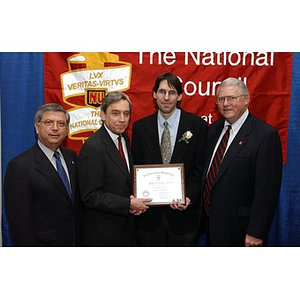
(214, 168)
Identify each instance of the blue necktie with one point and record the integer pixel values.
(62, 173)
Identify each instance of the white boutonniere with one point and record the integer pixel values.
(186, 137)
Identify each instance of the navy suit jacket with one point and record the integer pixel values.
(39, 209)
(106, 186)
(146, 150)
(246, 190)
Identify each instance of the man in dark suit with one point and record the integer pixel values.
(241, 200)
(106, 180)
(40, 210)
(177, 224)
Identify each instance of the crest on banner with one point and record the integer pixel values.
(90, 76)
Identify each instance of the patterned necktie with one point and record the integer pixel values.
(165, 147)
(214, 168)
(62, 173)
(120, 147)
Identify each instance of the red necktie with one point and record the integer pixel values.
(214, 168)
(121, 149)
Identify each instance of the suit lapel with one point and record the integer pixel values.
(129, 152)
(113, 152)
(236, 146)
(152, 141)
(211, 145)
(71, 170)
(180, 147)
(44, 166)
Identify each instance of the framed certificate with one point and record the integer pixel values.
(161, 182)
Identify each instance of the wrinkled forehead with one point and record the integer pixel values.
(122, 105)
(54, 115)
(228, 90)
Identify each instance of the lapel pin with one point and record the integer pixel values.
(240, 143)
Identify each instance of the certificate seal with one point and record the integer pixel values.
(145, 193)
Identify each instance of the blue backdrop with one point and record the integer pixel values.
(22, 92)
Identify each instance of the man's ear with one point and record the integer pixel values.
(247, 100)
(154, 95)
(102, 115)
(36, 126)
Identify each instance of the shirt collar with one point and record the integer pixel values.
(171, 120)
(237, 124)
(48, 152)
(113, 136)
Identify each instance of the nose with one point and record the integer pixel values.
(226, 102)
(55, 126)
(167, 95)
(122, 117)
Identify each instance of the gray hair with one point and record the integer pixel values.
(113, 97)
(234, 81)
(50, 107)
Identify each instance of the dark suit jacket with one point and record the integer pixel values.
(106, 186)
(39, 210)
(146, 150)
(246, 189)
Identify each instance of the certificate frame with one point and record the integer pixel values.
(161, 182)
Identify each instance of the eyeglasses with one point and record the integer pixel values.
(50, 123)
(230, 99)
(163, 92)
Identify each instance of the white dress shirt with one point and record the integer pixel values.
(114, 137)
(50, 155)
(235, 127)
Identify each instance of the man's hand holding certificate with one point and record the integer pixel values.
(163, 183)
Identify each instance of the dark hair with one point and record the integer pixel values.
(50, 107)
(172, 80)
(113, 97)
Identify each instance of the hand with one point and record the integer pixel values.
(179, 206)
(138, 206)
(251, 241)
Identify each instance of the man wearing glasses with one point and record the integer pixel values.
(41, 186)
(242, 172)
(177, 224)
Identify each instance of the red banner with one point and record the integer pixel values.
(79, 81)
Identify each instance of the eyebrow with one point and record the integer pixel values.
(116, 110)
